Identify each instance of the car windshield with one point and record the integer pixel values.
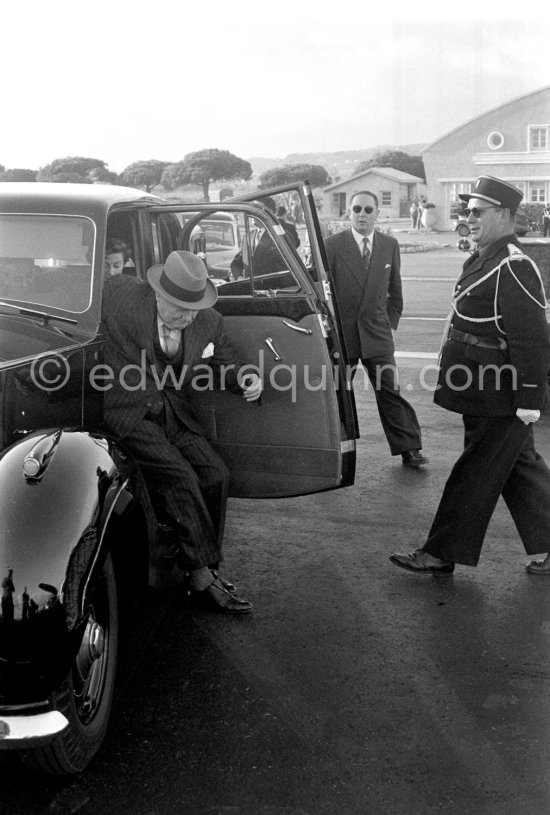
(47, 260)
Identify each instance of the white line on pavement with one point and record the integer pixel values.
(416, 354)
(430, 279)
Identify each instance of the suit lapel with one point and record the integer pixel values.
(373, 275)
(146, 317)
(352, 258)
(193, 343)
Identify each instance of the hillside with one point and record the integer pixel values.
(341, 163)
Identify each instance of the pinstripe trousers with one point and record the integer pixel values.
(187, 480)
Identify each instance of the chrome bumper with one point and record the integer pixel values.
(23, 730)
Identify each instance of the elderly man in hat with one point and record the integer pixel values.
(156, 333)
(493, 370)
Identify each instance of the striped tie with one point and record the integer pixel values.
(366, 254)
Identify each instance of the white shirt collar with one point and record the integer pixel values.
(359, 239)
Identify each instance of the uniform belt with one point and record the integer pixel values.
(482, 342)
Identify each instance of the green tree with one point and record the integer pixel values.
(143, 174)
(290, 173)
(76, 169)
(18, 174)
(396, 159)
(205, 166)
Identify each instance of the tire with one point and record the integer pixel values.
(463, 230)
(85, 697)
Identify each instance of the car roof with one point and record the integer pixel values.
(77, 198)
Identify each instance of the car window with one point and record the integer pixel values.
(47, 260)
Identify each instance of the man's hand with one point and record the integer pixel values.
(252, 387)
(528, 416)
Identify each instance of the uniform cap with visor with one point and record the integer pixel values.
(496, 192)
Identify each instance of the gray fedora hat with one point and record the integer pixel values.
(183, 280)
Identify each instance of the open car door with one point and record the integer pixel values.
(275, 302)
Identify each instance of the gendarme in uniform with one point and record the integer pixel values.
(493, 370)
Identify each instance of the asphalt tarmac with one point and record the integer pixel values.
(354, 688)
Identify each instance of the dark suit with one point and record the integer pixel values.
(291, 231)
(148, 411)
(499, 300)
(370, 305)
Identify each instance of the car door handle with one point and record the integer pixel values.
(298, 328)
(269, 343)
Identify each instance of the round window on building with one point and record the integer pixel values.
(495, 140)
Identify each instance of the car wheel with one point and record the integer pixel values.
(85, 697)
(463, 230)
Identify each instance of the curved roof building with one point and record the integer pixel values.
(511, 142)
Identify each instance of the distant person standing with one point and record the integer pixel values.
(414, 214)
(546, 221)
(366, 272)
(421, 205)
(289, 228)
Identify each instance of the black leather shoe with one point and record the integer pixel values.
(539, 566)
(416, 562)
(216, 598)
(414, 458)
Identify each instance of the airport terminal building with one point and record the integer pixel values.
(511, 142)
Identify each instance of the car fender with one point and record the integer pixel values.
(59, 491)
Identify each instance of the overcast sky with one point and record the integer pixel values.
(123, 81)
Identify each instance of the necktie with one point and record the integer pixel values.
(366, 254)
(171, 342)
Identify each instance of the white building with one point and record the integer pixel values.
(395, 191)
(511, 142)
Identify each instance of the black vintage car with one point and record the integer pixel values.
(72, 502)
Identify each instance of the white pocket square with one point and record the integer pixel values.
(208, 351)
(388, 265)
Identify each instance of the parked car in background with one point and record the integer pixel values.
(523, 225)
(221, 242)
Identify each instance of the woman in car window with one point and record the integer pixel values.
(116, 257)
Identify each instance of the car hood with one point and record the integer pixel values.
(23, 336)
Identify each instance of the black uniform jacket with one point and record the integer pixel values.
(132, 351)
(370, 303)
(503, 282)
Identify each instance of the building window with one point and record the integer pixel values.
(495, 140)
(339, 203)
(537, 192)
(456, 189)
(385, 198)
(538, 137)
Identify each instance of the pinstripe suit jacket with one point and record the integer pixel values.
(129, 315)
(370, 303)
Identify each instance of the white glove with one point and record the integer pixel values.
(528, 416)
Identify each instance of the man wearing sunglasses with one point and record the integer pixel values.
(365, 268)
(493, 370)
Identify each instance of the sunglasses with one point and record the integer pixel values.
(476, 211)
(357, 209)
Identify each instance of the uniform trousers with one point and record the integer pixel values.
(188, 479)
(499, 458)
(399, 420)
